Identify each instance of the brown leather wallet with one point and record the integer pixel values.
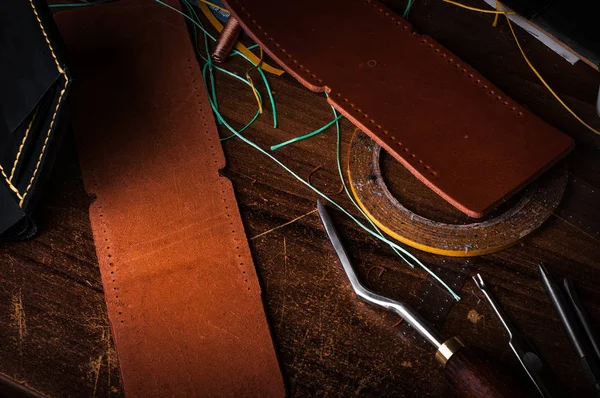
(181, 289)
(451, 127)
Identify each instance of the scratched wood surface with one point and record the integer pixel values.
(54, 332)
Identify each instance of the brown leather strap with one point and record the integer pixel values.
(446, 123)
(181, 289)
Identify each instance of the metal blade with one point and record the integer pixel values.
(339, 248)
(406, 312)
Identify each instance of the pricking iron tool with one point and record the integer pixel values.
(523, 349)
(468, 374)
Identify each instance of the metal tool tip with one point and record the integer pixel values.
(479, 281)
(568, 285)
(547, 279)
(321, 208)
(544, 272)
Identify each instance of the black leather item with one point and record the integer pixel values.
(34, 85)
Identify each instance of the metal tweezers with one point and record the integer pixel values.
(576, 325)
(523, 349)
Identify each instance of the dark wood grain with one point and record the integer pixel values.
(55, 336)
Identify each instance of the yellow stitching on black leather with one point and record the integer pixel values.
(11, 186)
(46, 37)
(61, 71)
(60, 97)
(37, 166)
(12, 173)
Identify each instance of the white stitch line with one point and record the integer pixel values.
(12, 173)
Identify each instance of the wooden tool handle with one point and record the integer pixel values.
(473, 376)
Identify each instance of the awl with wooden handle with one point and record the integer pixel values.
(468, 374)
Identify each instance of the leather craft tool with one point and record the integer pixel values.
(182, 294)
(448, 125)
(468, 374)
(523, 349)
(579, 334)
(581, 315)
(536, 204)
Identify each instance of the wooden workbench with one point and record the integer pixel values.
(54, 332)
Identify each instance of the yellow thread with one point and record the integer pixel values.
(37, 166)
(60, 97)
(12, 173)
(580, 120)
(215, 6)
(46, 37)
(506, 14)
(239, 46)
(254, 90)
(61, 71)
(495, 23)
(477, 9)
(10, 185)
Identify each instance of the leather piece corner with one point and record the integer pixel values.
(451, 127)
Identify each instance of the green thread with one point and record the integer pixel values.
(209, 68)
(80, 4)
(348, 194)
(407, 9)
(360, 224)
(305, 136)
(197, 23)
(375, 228)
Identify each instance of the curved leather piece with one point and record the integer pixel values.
(182, 293)
(451, 127)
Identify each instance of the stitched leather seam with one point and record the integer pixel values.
(10, 185)
(12, 173)
(410, 156)
(60, 97)
(214, 153)
(59, 102)
(470, 74)
(233, 231)
(37, 166)
(111, 265)
(463, 68)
